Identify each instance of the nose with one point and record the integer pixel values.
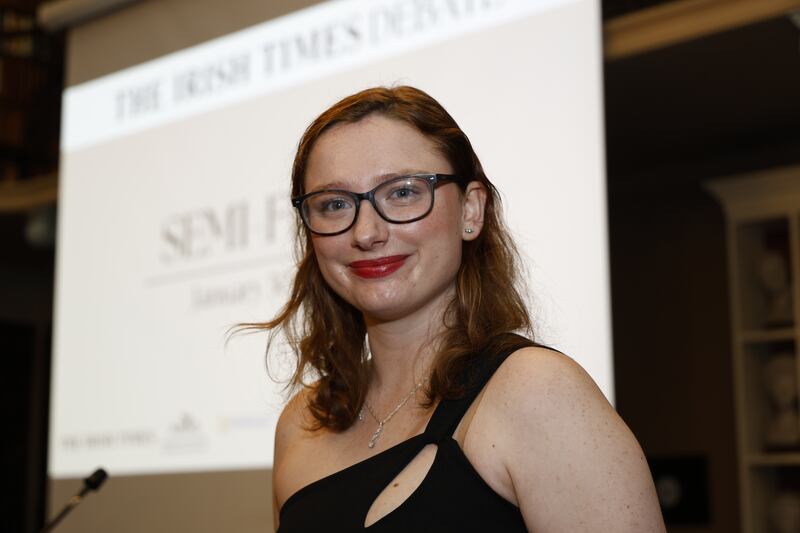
(369, 229)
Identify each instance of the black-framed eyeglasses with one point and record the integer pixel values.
(399, 200)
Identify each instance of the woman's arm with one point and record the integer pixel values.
(573, 463)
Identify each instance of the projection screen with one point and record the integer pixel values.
(175, 224)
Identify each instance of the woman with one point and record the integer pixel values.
(428, 413)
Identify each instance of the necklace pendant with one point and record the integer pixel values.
(375, 436)
(380, 422)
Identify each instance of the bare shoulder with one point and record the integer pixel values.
(290, 431)
(573, 463)
(539, 397)
(292, 423)
(535, 381)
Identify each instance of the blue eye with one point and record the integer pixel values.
(329, 204)
(337, 204)
(404, 193)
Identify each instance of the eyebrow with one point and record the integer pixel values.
(375, 180)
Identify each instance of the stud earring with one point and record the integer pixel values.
(469, 230)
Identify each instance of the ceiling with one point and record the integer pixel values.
(615, 8)
(717, 105)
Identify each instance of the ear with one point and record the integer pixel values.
(472, 213)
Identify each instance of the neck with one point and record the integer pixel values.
(403, 350)
(400, 358)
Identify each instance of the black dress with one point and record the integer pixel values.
(452, 496)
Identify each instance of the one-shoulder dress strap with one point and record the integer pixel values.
(449, 412)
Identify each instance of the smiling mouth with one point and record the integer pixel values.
(377, 268)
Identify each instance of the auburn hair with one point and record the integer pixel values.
(327, 334)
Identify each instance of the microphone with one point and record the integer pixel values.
(93, 482)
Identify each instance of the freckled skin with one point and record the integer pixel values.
(357, 155)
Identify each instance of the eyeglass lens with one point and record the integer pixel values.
(398, 200)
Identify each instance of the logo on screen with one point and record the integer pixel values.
(185, 435)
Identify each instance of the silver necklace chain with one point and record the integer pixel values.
(382, 423)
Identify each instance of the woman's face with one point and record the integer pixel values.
(416, 262)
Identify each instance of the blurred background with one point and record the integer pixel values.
(702, 148)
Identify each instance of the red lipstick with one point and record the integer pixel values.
(377, 268)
